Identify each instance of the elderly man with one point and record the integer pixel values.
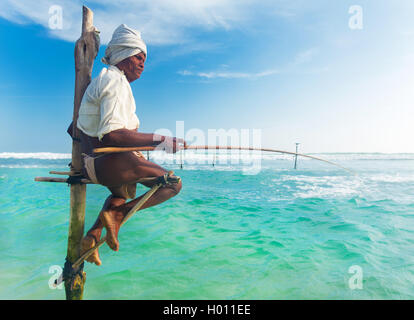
(107, 118)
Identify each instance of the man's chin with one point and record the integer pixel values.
(136, 77)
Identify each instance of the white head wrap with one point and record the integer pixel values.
(125, 42)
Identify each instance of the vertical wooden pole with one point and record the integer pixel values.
(86, 49)
(296, 156)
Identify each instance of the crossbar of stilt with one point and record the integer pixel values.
(87, 181)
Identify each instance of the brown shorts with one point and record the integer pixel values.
(89, 165)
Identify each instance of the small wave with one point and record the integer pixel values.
(223, 156)
(364, 156)
(326, 192)
(35, 155)
(395, 178)
(321, 186)
(25, 166)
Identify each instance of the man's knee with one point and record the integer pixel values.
(116, 201)
(176, 187)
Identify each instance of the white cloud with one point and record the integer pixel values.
(306, 56)
(301, 58)
(227, 75)
(160, 21)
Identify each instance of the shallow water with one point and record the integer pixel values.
(277, 234)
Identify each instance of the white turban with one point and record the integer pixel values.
(125, 42)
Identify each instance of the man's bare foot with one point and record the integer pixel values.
(111, 220)
(89, 241)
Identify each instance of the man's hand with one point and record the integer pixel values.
(172, 144)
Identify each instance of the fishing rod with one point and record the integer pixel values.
(128, 149)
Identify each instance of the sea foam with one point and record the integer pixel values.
(34, 155)
(224, 155)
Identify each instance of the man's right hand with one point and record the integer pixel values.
(172, 144)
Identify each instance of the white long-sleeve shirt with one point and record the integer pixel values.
(107, 105)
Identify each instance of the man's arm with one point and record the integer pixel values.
(126, 138)
(132, 138)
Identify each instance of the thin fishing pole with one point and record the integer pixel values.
(128, 149)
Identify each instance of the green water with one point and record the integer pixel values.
(279, 234)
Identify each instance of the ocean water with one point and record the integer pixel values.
(253, 229)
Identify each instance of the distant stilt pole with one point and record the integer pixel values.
(86, 49)
(148, 155)
(296, 155)
(181, 159)
(214, 158)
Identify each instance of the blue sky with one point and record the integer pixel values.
(291, 68)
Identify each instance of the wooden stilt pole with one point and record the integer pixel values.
(86, 49)
(296, 156)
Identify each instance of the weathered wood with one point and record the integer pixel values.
(61, 180)
(86, 181)
(64, 173)
(86, 49)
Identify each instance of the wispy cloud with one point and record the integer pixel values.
(228, 75)
(160, 21)
(306, 56)
(300, 59)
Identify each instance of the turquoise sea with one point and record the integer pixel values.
(234, 232)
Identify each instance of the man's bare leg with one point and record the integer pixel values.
(94, 234)
(89, 241)
(121, 169)
(113, 212)
(112, 218)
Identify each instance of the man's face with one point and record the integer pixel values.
(138, 62)
(133, 66)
